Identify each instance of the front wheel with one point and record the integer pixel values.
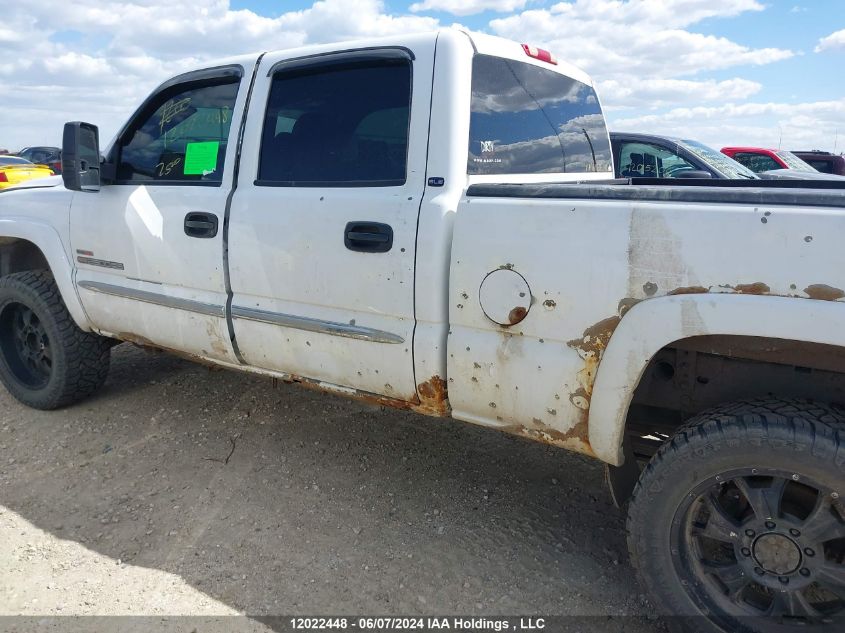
(46, 361)
(738, 522)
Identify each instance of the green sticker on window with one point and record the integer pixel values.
(201, 158)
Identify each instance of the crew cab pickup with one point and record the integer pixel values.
(430, 222)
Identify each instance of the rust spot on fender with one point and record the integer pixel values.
(580, 399)
(824, 292)
(433, 397)
(626, 304)
(756, 288)
(550, 304)
(575, 439)
(516, 315)
(590, 348)
(596, 337)
(688, 290)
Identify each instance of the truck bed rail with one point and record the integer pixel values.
(759, 192)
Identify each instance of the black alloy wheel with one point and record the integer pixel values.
(25, 345)
(763, 544)
(737, 524)
(46, 360)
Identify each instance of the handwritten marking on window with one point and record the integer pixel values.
(172, 109)
(164, 169)
(219, 115)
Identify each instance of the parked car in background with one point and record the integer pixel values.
(825, 162)
(14, 170)
(43, 155)
(654, 156)
(776, 164)
(794, 174)
(759, 159)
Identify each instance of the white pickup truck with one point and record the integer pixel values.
(430, 223)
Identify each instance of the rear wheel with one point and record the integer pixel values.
(739, 520)
(46, 361)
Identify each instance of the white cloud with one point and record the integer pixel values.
(834, 41)
(625, 38)
(210, 27)
(139, 44)
(810, 125)
(468, 7)
(651, 93)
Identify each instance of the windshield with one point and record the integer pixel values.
(723, 164)
(793, 162)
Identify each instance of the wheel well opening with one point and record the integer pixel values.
(17, 255)
(695, 374)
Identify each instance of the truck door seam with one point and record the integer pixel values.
(236, 169)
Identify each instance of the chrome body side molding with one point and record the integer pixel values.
(316, 325)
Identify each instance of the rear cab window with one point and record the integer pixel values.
(530, 120)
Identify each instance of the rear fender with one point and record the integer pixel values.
(651, 325)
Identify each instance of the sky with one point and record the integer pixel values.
(724, 72)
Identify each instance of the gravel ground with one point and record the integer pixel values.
(126, 504)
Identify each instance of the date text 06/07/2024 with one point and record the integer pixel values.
(419, 624)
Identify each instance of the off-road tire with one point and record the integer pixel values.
(79, 362)
(747, 441)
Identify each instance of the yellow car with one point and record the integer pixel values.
(15, 170)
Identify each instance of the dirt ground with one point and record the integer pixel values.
(126, 504)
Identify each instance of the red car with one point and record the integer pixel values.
(758, 159)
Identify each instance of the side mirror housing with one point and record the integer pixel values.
(81, 157)
(693, 173)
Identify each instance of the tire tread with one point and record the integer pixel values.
(802, 425)
(87, 354)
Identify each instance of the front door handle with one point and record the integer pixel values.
(368, 237)
(200, 224)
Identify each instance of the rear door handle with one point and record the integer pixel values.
(200, 224)
(368, 237)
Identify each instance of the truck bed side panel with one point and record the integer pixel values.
(587, 261)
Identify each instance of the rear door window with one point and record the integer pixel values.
(338, 126)
(530, 120)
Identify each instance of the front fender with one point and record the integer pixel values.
(46, 238)
(651, 325)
